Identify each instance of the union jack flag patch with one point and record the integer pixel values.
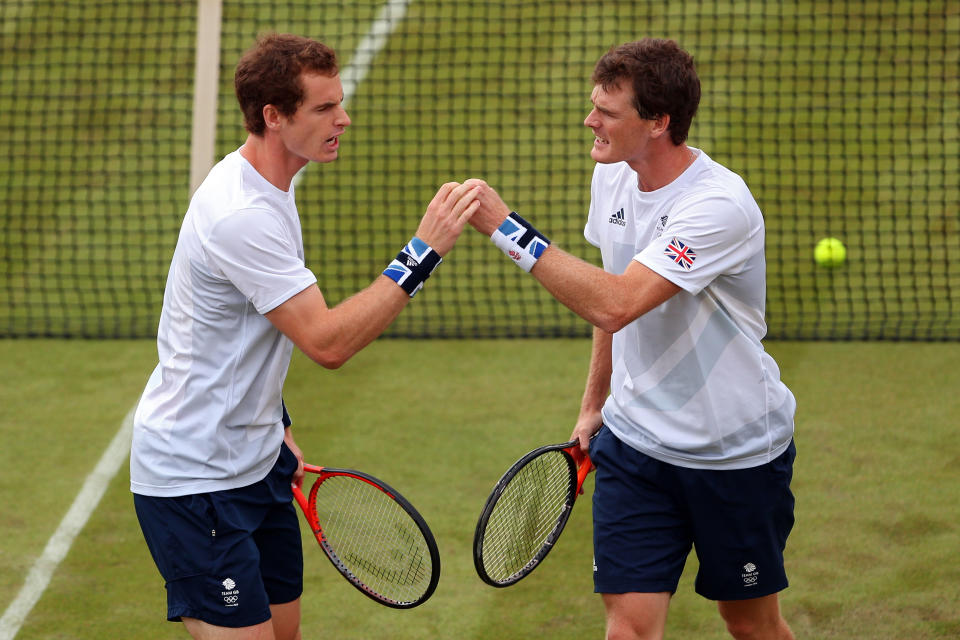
(680, 253)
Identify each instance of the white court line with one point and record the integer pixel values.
(96, 483)
(59, 544)
(387, 20)
(369, 47)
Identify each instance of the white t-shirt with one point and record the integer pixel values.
(691, 383)
(210, 416)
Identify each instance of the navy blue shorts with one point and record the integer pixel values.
(648, 514)
(226, 556)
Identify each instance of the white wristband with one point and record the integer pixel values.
(520, 241)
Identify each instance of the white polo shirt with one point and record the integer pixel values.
(210, 416)
(692, 384)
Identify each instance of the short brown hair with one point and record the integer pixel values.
(663, 78)
(269, 73)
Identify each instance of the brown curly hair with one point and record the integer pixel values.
(269, 73)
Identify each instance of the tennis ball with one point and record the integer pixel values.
(830, 253)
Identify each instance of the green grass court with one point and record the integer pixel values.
(872, 555)
(843, 117)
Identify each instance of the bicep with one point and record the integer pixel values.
(294, 317)
(606, 300)
(645, 288)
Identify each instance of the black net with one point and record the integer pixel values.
(842, 117)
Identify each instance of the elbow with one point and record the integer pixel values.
(612, 320)
(329, 358)
(609, 324)
(330, 363)
(331, 350)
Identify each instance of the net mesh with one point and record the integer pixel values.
(841, 116)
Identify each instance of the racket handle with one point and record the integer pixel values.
(583, 470)
(299, 497)
(584, 464)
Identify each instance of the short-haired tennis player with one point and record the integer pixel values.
(213, 458)
(698, 446)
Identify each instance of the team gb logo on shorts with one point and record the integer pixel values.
(232, 594)
(680, 253)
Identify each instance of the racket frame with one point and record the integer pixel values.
(309, 507)
(579, 466)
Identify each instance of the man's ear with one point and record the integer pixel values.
(660, 125)
(272, 117)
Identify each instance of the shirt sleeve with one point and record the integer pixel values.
(710, 236)
(255, 251)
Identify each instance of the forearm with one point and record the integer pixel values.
(580, 286)
(597, 387)
(577, 284)
(605, 300)
(359, 320)
(330, 337)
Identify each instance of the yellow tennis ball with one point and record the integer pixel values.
(830, 252)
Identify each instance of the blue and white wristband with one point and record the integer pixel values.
(520, 241)
(413, 265)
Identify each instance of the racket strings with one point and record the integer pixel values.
(526, 515)
(374, 538)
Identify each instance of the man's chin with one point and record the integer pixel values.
(600, 157)
(327, 157)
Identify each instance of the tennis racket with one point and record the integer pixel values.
(372, 535)
(526, 512)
